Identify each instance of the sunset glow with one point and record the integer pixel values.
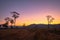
(31, 11)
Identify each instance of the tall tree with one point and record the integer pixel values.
(15, 15)
(49, 19)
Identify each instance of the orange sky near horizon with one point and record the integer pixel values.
(31, 11)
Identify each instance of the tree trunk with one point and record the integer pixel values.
(15, 21)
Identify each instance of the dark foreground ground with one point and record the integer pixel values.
(29, 34)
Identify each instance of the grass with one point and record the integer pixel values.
(29, 34)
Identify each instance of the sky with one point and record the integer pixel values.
(31, 11)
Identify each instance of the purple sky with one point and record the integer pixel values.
(32, 11)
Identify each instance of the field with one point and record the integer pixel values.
(29, 34)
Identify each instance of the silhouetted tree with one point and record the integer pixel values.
(11, 21)
(15, 16)
(49, 19)
(7, 22)
(7, 19)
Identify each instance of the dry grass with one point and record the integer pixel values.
(28, 34)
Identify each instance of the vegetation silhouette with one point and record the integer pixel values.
(49, 19)
(31, 32)
(15, 15)
(7, 19)
(5, 25)
(12, 22)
